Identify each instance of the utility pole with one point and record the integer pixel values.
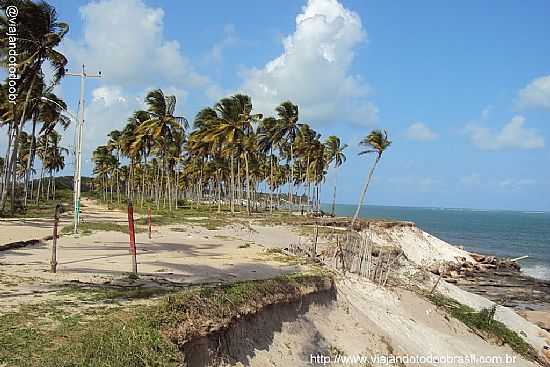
(78, 143)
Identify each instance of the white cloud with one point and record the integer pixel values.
(420, 132)
(108, 95)
(314, 68)
(124, 39)
(536, 93)
(512, 135)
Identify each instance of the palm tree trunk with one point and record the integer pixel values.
(247, 183)
(18, 129)
(364, 192)
(30, 160)
(39, 185)
(5, 174)
(333, 211)
(232, 188)
(291, 180)
(270, 180)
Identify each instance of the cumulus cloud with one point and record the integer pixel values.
(124, 39)
(314, 68)
(513, 135)
(536, 93)
(420, 132)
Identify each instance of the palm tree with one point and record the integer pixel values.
(334, 151)
(288, 129)
(266, 141)
(115, 144)
(233, 128)
(39, 34)
(47, 108)
(376, 142)
(165, 128)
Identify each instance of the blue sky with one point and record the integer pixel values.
(463, 88)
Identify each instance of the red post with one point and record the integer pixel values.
(149, 221)
(131, 231)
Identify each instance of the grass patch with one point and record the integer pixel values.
(89, 227)
(111, 294)
(484, 322)
(42, 209)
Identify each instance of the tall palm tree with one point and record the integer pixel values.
(376, 142)
(266, 141)
(165, 128)
(334, 151)
(47, 108)
(288, 129)
(233, 127)
(115, 144)
(39, 34)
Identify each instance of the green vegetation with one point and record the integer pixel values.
(484, 322)
(59, 334)
(86, 228)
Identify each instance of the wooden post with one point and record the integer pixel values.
(53, 259)
(435, 285)
(131, 231)
(314, 254)
(149, 221)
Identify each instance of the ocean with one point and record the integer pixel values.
(498, 232)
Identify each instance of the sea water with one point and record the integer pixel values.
(498, 232)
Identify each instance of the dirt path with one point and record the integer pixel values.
(179, 253)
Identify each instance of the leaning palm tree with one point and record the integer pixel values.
(376, 142)
(334, 151)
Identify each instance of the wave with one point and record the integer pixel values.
(537, 271)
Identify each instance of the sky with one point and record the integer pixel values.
(462, 87)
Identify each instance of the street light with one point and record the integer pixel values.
(78, 141)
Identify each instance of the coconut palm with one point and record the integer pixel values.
(376, 142)
(334, 151)
(266, 141)
(166, 129)
(47, 108)
(233, 128)
(39, 34)
(288, 129)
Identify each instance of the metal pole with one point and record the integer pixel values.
(78, 145)
(76, 188)
(131, 231)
